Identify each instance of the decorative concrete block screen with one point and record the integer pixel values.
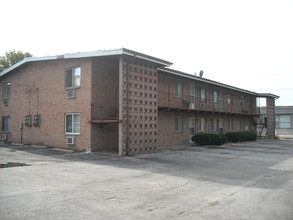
(139, 107)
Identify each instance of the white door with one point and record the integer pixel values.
(191, 128)
(284, 121)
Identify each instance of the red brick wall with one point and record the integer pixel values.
(46, 80)
(105, 97)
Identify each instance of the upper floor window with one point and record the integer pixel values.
(215, 96)
(6, 123)
(72, 78)
(178, 90)
(72, 123)
(202, 94)
(6, 90)
(178, 124)
(242, 101)
(229, 99)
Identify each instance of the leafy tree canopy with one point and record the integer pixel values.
(12, 57)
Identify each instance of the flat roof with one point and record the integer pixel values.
(98, 53)
(201, 79)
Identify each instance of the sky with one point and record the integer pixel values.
(243, 43)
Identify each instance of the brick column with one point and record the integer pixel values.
(270, 117)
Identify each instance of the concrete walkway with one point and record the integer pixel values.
(252, 180)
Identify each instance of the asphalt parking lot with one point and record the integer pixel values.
(252, 180)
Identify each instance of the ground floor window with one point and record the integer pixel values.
(242, 124)
(6, 123)
(214, 124)
(178, 124)
(72, 123)
(230, 124)
(201, 124)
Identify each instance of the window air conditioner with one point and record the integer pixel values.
(4, 137)
(202, 105)
(70, 140)
(71, 94)
(5, 102)
(192, 105)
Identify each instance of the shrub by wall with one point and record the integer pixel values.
(240, 136)
(209, 139)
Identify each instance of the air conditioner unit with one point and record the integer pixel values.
(4, 137)
(5, 102)
(71, 94)
(202, 105)
(192, 105)
(216, 106)
(70, 140)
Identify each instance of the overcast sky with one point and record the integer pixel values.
(248, 44)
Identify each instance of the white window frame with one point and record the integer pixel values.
(229, 99)
(192, 94)
(242, 127)
(178, 124)
(230, 124)
(6, 124)
(75, 77)
(201, 124)
(73, 115)
(242, 102)
(178, 92)
(202, 94)
(6, 90)
(214, 124)
(215, 96)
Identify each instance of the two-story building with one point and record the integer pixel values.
(118, 100)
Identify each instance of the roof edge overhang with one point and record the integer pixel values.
(98, 53)
(266, 95)
(186, 75)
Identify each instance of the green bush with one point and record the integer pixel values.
(240, 136)
(209, 139)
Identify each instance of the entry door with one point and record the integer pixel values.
(191, 128)
(284, 121)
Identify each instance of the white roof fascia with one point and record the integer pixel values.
(206, 81)
(145, 58)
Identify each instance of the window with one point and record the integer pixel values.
(201, 124)
(241, 124)
(202, 94)
(215, 96)
(178, 124)
(214, 124)
(6, 90)
(230, 124)
(192, 96)
(72, 123)
(6, 123)
(241, 101)
(72, 77)
(229, 99)
(178, 90)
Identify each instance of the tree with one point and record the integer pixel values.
(11, 58)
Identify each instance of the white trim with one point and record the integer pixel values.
(97, 53)
(69, 133)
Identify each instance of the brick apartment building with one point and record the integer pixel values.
(118, 100)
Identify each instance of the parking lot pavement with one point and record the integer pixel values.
(251, 180)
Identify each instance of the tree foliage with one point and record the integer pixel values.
(12, 57)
